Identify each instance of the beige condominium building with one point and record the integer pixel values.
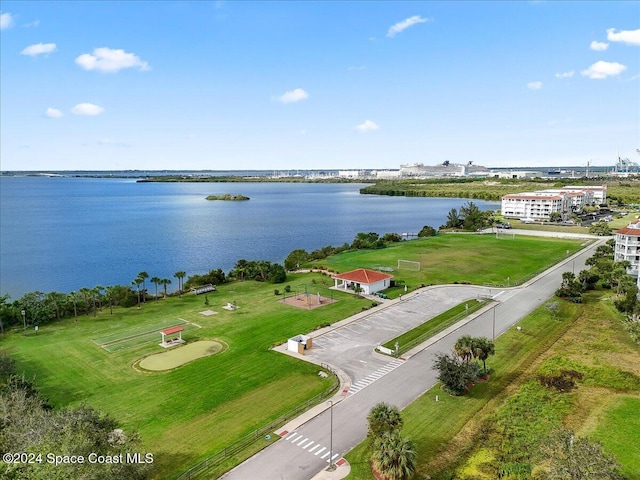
(539, 205)
(628, 247)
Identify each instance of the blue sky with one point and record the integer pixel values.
(294, 85)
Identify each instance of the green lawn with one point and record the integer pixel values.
(222, 393)
(461, 258)
(453, 435)
(619, 431)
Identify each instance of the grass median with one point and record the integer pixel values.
(431, 327)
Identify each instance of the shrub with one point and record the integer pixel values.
(455, 374)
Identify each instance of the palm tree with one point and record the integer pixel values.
(164, 282)
(86, 293)
(96, 295)
(383, 418)
(75, 305)
(180, 275)
(241, 268)
(137, 282)
(108, 295)
(144, 275)
(156, 281)
(464, 348)
(57, 300)
(394, 456)
(482, 349)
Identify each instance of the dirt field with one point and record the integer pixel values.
(307, 300)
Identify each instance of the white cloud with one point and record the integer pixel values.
(404, 24)
(35, 23)
(632, 37)
(38, 49)
(534, 85)
(600, 70)
(87, 109)
(53, 113)
(110, 60)
(367, 126)
(6, 21)
(565, 74)
(293, 96)
(598, 46)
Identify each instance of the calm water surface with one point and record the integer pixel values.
(61, 234)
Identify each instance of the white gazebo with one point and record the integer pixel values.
(173, 340)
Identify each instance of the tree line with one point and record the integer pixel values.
(605, 273)
(39, 308)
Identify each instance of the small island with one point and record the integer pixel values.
(228, 197)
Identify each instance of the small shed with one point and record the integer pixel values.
(299, 344)
(172, 340)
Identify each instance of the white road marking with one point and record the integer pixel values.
(372, 377)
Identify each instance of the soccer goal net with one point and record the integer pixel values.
(505, 234)
(408, 265)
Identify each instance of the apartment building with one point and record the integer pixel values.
(539, 205)
(535, 205)
(599, 192)
(577, 198)
(628, 247)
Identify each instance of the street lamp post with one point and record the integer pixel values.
(24, 319)
(331, 465)
(494, 323)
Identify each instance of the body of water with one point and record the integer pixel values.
(62, 234)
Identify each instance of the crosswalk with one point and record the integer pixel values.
(311, 446)
(372, 377)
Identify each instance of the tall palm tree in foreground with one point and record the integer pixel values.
(483, 348)
(394, 456)
(464, 347)
(383, 418)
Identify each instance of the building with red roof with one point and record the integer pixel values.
(170, 332)
(628, 247)
(370, 281)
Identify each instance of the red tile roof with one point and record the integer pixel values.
(170, 330)
(363, 275)
(549, 196)
(629, 231)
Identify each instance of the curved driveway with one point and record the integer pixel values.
(304, 451)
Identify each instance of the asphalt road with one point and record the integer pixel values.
(301, 454)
